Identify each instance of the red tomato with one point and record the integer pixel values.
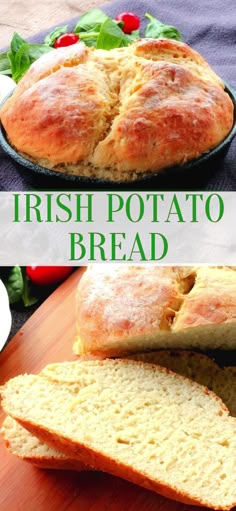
(47, 275)
(66, 40)
(131, 21)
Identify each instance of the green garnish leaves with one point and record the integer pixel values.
(95, 28)
(14, 284)
(18, 286)
(22, 54)
(5, 65)
(156, 29)
(52, 36)
(90, 20)
(112, 36)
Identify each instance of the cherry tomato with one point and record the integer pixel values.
(66, 40)
(131, 21)
(47, 275)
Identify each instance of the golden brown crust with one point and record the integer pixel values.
(104, 464)
(118, 114)
(210, 301)
(127, 308)
(119, 302)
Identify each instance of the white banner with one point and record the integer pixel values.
(132, 227)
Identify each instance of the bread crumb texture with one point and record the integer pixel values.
(125, 308)
(118, 114)
(135, 420)
(193, 365)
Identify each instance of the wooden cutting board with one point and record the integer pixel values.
(48, 337)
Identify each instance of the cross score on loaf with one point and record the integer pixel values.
(118, 114)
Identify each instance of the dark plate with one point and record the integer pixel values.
(170, 172)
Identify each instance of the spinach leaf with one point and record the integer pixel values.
(111, 36)
(133, 36)
(25, 55)
(155, 29)
(28, 296)
(18, 286)
(14, 284)
(5, 65)
(36, 50)
(91, 36)
(89, 20)
(52, 36)
(16, 43)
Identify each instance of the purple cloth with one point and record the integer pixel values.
(210, 28)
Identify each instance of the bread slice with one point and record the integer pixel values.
(29, 448)
(195, 366)
(128, 308)
(199, 368)
(134, 420)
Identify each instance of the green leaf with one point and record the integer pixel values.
(28, 296)
(14, 284)
(156, 29)
(16, 43)
(111, 36)
(90, 37)
(37, 50)
(5, 65)
(133, 36)
(24, 57)
(52, 36)
(90, 20)
(22, 62)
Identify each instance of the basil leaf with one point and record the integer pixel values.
(37, 50)
(11, 58)
(14, 284)
(133, 36)
(89, 20)
(16, 42)
(5, 65)
(22, 62)
(90, 37)
(156, 29)
(28, 296)
(52, 37)
(24, 57)
(111, 36)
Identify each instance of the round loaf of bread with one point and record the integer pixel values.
(119, 114)
(126, 308)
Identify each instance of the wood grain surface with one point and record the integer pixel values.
(47, 337)
(29, 17)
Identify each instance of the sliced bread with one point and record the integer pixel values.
(28, 447)
(128, 308)
(195, 366)
(134, 420)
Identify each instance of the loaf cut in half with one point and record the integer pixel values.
(195, 366)
(119, 114)
(129, 308)
(138, 421)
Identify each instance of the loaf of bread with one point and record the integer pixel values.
(128, 308)
(118, 114)
(195, 366)
(138, 421)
